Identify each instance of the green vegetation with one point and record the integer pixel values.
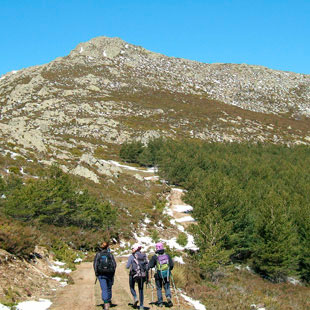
(52, 208)
(55, 199)
(251, 202)
(182, 239)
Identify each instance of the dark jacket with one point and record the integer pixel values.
(130, 262)
(153, 261)
(97, 257)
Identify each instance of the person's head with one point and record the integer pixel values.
(159, 246)
(136, 247)
(104, 245)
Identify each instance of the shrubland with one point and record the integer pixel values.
(65, 213)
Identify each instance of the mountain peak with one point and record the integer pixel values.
(101, 47)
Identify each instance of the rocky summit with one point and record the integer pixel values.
(107, 91)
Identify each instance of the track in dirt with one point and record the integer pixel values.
(85, 295)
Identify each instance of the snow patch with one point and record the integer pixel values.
(42, 304)
(178, 190)
(185, 219)
(196, 303)
(2, 307)
(104, 54)
(293, 281)
(78, 260)
(182, 208)
(81, 50)
(62, 283)
(56, 267)
(179, 259)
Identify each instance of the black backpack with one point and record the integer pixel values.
(139, 266)
(105, 263)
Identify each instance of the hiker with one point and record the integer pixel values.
(104, 267)
(137, 263)
(163, 264)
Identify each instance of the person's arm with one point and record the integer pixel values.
(152, 262)
(96, 262)
(129, 262)
(171, 263)
(114, 262)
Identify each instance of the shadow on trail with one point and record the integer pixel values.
(164, 303)
(137, 307)
(111, 306)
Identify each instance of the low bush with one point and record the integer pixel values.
(182, 239)
(17, 238)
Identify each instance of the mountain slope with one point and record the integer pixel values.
(107, 91)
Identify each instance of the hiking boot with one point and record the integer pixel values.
(106, 306)
(135, 302)
(160, 305)
(170, 304)
(141, 308)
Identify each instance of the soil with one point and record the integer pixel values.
(85, 295)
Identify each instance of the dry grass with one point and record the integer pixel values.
(179, 275)
(241, 289)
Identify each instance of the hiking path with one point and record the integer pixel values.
(84, 294)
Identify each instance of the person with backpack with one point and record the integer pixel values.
(163, 265)
(104, 267)
(137, 263)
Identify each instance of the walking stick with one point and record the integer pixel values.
(176, 292)
(152, 287)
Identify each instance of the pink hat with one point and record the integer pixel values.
(159, 246)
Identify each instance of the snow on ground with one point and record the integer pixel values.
(196, 303)
(78, 260)
(62, 283)
(178, 189)
(12, 154)
(2, 307)
(182, 208)
(185, 219)
(56, 267)
(42, 304)
(293, 281)
(179, 259)
(115, 163)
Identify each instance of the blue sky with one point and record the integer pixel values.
(274, 33)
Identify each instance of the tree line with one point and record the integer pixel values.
(251, 201)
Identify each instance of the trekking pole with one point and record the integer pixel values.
(152, 286)
(176, 292)
(96, 280)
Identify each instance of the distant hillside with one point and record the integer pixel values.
(107, 91)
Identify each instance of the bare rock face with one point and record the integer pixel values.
(107, 91)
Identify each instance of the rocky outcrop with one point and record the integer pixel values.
(107, 91)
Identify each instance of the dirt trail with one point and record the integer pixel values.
(174, 200)
(85, 295)
(80, 295)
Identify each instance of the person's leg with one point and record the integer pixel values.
(132, 290)
(168, 293)
(104, 288)
(141, 295)
(158, 282)
(109, 287)
(167, 289)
